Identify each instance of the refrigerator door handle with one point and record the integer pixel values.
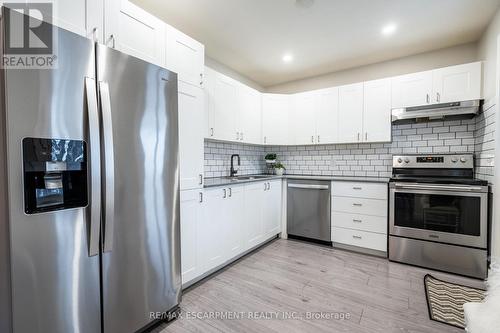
(109, 167)
(95, 167)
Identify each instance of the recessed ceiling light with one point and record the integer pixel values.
(287, 58)
(389, 29)
(304, 3)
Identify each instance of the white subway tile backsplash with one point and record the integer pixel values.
(367, 159)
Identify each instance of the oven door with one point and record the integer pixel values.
(454, 214)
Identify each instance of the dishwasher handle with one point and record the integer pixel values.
(309, 186)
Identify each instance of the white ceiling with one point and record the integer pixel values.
(251, 36)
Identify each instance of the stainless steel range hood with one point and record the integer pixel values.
(455, 110)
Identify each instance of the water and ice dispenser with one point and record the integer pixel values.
(55, 175)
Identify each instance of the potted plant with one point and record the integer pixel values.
(279, 168)
(270, 158)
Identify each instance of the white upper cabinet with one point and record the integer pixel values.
(457, 83)
(132, 30)
(350, 124)
(377, 111)
(303, 118)
(443, 85)
(412, 90)
(275, 119)
(249, 115)
(327, 115)
(222, 102)
(185, 56)
(83, 17)
(191, 135)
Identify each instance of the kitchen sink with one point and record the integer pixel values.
(238, 178)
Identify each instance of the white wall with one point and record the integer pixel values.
(415, 63)
(221, 68)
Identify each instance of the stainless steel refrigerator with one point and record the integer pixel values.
(89, 192)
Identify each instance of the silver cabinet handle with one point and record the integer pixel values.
(265, 186)
(201, 197)
(241, 136)
(438, 97)
(201, 79)
(109, 168)
(201, 179)
(312, 138)
(357, 237)
(237, 135)
(211, 131)
(357, 204)
(366, 136)
(356, 221)
(95, 34)
(113, 40)
(268, 186)
(95, 167)
(358, 136)
(265, 139)
(318, 139)
(428, 99)
(357, 188)
(225, 194)
(230, 192)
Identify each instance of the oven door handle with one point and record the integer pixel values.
(439, 187)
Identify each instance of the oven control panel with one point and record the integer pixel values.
(452, 161)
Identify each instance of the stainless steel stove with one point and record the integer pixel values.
(438, 214)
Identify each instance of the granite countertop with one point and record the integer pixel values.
(223, 181)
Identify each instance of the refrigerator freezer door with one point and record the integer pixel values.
(141, 270)
(55, 283)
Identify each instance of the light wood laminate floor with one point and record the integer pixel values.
(289, 277)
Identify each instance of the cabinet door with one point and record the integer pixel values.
(412, 90)
(191, 214)
(225, 103)
(191, 132)
(234, 222)
(275, 119)
(209, 89)
(457, 83)
(132, 30)
(327, 116)
(272, 209)
(250, 115)
(377, 111)
(303, 119)
(350, 113)
(253, 230)
(211, 231)
(80, 17)
(185, 56)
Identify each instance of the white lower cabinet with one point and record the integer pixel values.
(191, 218)
(271, 209)
(359, 215)
(219, 224)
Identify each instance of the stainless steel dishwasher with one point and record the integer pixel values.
(308, 210)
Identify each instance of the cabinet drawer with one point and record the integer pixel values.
(360, 190)
(360, 206)
(360, 222)
(363, 239)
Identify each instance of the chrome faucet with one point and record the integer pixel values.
(233, 172)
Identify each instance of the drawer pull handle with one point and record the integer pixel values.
(357, 221)
(357, 204)
(357, 188)
(357, 237)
